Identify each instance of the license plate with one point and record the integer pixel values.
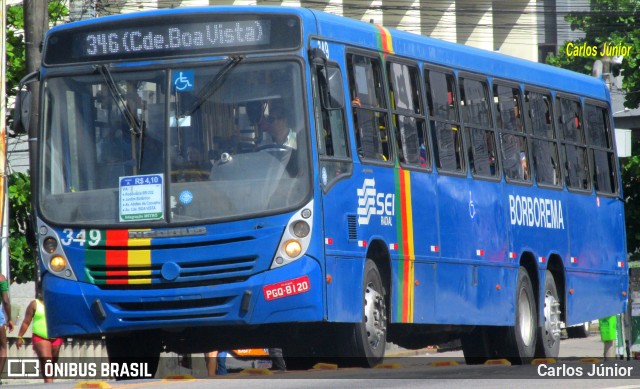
(286, 288)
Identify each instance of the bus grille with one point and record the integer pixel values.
(185, 274)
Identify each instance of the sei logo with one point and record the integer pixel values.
(370, 202)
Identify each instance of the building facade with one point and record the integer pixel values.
(528, 29)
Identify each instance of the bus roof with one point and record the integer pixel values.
(405, 44)
(461, 57)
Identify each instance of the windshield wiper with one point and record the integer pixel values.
(135, 127)
(213, 85)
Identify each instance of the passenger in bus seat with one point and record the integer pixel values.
(524, 172)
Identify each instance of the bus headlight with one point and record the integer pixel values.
(50, 245)
(296, 237)
(293, 248)
(58, 263)
(51, 254)
(301, 229)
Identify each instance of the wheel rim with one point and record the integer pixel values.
(552, 323)
(525, 318)
(375, 317)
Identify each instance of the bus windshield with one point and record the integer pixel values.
(216, 142)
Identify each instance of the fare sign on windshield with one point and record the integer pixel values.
(141, 198)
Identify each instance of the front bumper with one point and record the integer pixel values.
(77, 308)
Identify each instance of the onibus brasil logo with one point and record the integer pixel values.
(370, 202)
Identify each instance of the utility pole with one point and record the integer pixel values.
(36, 22)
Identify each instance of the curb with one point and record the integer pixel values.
(410, 353)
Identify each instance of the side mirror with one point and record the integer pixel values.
(21, 113)
(22, 108)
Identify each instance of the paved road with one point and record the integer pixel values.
(412, 369)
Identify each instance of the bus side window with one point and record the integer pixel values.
(573, 147)
(333, 143)
(445, 126)
(543, 140)
(599, 140)
(369, 108)
(513, 142)
(478, 127)
(408, 115)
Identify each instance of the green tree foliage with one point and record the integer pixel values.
(15, 47)
(611, 22)
(614, 22)
(15, 53)
(22, 256)
(20, 252)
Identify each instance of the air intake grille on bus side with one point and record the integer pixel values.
(352, 225)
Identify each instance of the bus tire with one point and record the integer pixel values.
(521, 337)
(476, 345)
(299, 357)
(367, 340)
(548, 345)
(134, 347)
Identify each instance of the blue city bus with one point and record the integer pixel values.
(227, 177)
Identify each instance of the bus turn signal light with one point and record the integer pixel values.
(293, 248)
(58, 263)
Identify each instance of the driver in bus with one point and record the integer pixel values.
(278, 130)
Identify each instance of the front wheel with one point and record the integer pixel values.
(139, 348)
(367, 339)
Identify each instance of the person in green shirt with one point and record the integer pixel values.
(6, 324)
(46, 348)
(608, 329)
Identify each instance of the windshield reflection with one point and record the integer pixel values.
(239, 151)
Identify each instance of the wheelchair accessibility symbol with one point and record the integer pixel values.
(183, 80)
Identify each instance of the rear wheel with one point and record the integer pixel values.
(366, 340)
(548, 345)
(476, 346)
(521, 338)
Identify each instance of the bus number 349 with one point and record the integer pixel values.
(286, 288)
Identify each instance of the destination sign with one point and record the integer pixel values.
(175, 38)
(166, 36)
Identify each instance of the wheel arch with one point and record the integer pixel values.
(556, 267)
(528, 261)
(379, 253)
